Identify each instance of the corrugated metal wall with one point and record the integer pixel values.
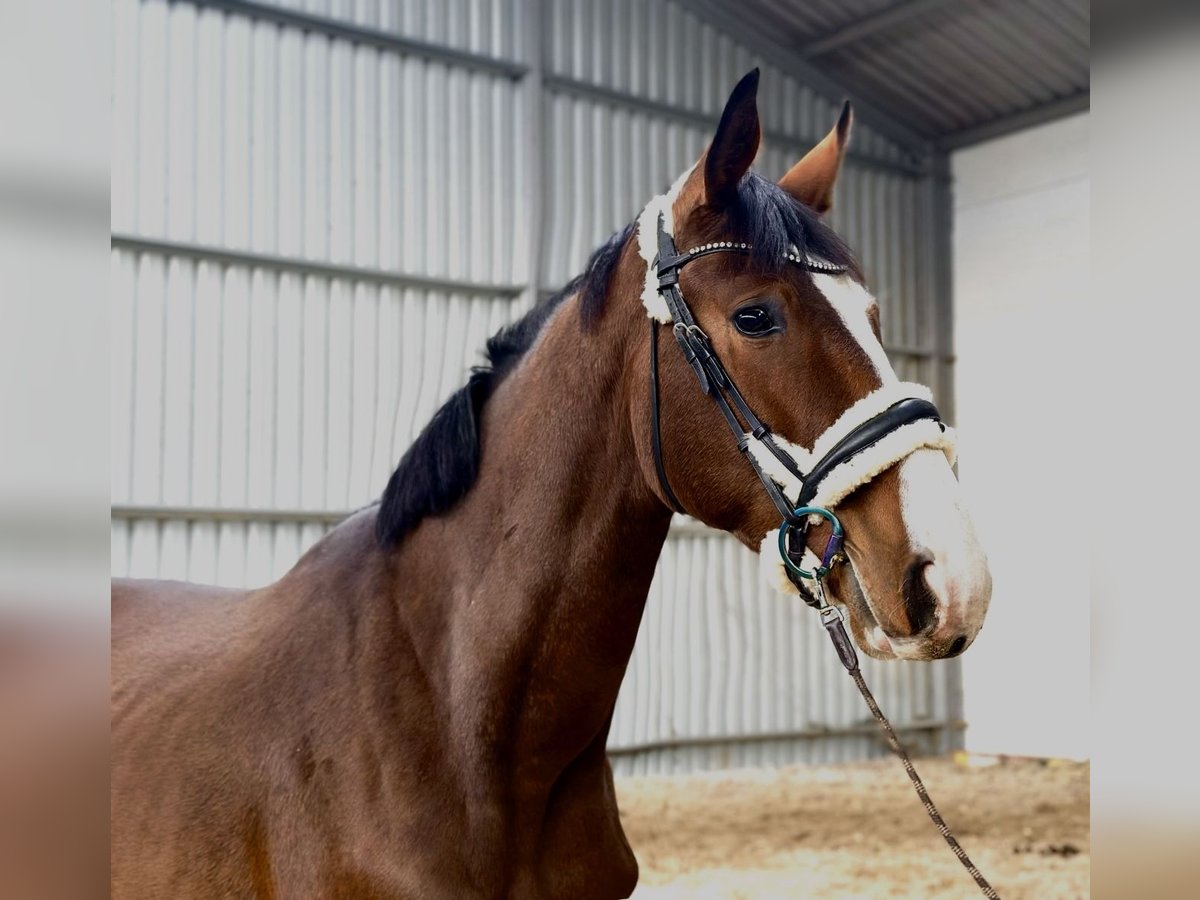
(319, 212)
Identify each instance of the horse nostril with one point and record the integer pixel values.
(919, 599)
(957, 647)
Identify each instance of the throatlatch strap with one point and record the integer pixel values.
(655, 435)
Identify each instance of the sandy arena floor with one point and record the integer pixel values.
(858, 830)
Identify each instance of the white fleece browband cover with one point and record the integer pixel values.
(647, 243)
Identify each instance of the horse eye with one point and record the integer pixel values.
(754, 321)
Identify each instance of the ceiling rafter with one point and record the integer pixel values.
(930, 75)
(1026, 118)
(885, 19)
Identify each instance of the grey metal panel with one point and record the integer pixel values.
(900, 84)
(1049, 51)
(596, 182)
(916, 146)
(995, 80)
(230, 554)
(1026, 118)
(827, 16)
(878, 215)
(245, 386)
(491, 28)
(889, 19)
(664, 64)
(250, 136)
(941, 67)
(728, 671)
(1071, 17)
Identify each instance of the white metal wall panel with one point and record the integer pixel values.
(231, 554)
(247, 135)
(256, 389)
(721, 655)
(607, 163)
(315, 232)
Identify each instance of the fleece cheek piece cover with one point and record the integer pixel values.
(647, 237)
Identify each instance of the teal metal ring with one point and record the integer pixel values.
(820, 571)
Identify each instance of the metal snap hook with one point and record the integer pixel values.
(833, 549)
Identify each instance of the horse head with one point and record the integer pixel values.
(790, 318)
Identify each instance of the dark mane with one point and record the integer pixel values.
(443, 462)
(770, 220)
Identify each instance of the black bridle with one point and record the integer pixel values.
(717, 384)
(743, 424)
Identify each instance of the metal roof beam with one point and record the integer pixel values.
(339, 271)
(1026, 118)
(885, 19)
(125, 512)
(372, 37)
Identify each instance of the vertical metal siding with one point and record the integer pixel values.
(248, 135)
(252, 389)
(313, 236)
(721, 656)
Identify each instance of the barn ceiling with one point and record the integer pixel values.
(953, 72)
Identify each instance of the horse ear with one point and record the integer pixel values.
(811, 180)
(735, 144)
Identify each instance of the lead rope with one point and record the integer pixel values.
(919, 786)
(831, 618)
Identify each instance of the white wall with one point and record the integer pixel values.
(1021, 278)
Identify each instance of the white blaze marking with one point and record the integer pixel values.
(937, 521)
(851, 301)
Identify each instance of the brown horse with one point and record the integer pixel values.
(419, 708)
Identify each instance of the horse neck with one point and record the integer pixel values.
(547, 561)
